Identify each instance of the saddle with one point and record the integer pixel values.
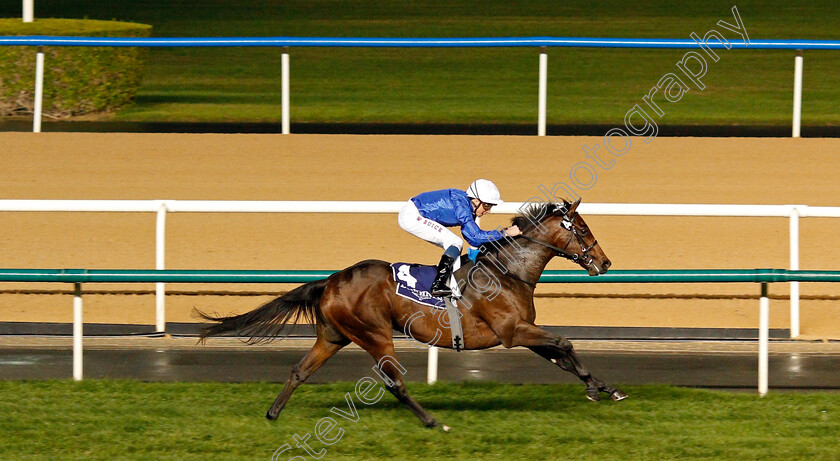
(414, 282)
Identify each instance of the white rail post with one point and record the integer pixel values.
(39, 92)
(432, 367)
(543, 90)
(160, 264)
(77, 333)
(797, 93)
(28, 10)
(284, 97)
(763, 339)
(794, 265)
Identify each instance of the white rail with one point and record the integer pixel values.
(28, 10)
(350, 206)
(797, 94)
(284, 94)
(162, 207)
(39, 92)
(542, 93)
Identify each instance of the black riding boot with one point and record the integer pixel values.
(444, 269)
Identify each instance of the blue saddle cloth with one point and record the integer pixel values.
(414, 281)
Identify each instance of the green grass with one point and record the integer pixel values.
(14, 26)
(467, 85)
(112, 420)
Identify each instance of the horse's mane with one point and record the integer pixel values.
(535, 213)
(528, 218)
(525, 220)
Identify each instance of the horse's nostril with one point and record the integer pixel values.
(607, 264)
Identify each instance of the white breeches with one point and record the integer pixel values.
(428, 230)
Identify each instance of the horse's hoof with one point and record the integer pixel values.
(269, 417)
(593, 395)
(445, 428)
(617, 395)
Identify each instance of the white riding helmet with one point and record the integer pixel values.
(485, 191)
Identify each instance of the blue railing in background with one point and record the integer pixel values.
(584, 42)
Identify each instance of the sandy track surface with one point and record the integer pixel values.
(344, 167)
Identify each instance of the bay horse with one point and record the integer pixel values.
(359, 305)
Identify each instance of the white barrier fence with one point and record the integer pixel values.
(543, 58)
(285, 121)
(162, 207)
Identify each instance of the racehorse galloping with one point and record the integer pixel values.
(359, 305)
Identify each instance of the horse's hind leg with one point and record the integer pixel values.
(564, 356)
(320, 353)
(393, 371)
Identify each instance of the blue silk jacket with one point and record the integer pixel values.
(451, 208)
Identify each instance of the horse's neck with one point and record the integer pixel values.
(523, 259)
(531, 259)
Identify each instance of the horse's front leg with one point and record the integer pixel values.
(565, 357)
(559, 350)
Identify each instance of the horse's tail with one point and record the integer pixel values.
(267, 322)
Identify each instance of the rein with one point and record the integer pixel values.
(560, 251)
(584, 253)
(516, 277)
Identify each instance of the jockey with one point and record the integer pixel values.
(429, 214)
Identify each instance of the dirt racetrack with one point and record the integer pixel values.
(338, 167)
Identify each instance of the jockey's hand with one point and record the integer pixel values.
(513, 231)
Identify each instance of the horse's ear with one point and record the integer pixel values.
(574, 206)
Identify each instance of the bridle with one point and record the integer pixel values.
(585, 249)
(568, 224)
